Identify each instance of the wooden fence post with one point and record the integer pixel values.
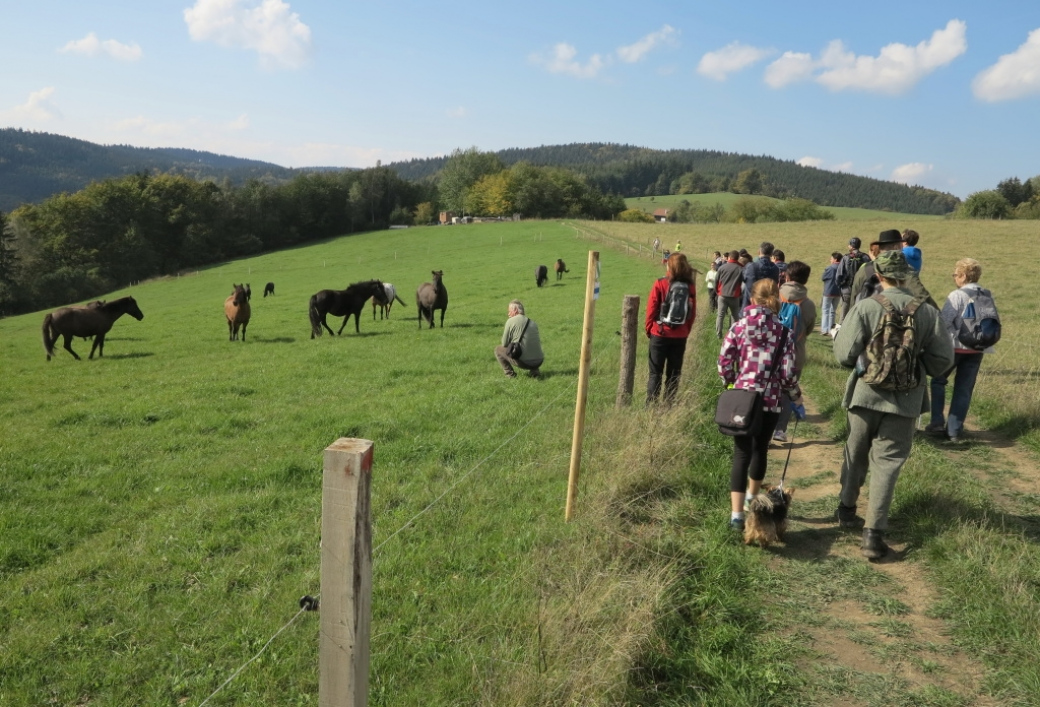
(629, 336)
(346, 574)
(591, 280)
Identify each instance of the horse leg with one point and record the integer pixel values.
(99, 345)
(442, 316)
(325, 324)
(244, 325)
(344, 324)
(357, 321)
(230, 330)
(68, 346)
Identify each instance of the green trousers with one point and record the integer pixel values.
(878, 443)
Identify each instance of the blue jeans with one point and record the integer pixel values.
(966, 366)
(830, 309)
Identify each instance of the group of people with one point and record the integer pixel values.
(763, 296)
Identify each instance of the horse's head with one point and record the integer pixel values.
(129, 306)
(437, 275)
(379, 292)
(239, 293)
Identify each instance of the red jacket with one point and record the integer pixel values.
(658, 294)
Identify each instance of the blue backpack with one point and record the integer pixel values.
(791, 314)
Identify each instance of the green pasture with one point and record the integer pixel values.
(160, 511)
(727, 199)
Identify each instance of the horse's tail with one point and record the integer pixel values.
(315, 317)
(48, 341)
(396, 297)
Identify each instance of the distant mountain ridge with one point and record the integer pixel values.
(639, 171)
(35, 165)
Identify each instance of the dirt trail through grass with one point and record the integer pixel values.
(867, 626)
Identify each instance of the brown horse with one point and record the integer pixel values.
(430, 297)
(95, 320)
(560, 268)
(236, 309)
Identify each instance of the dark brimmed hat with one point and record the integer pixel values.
(889, 236)
(892, 264)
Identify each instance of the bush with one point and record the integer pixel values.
(635, 216)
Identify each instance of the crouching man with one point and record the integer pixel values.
(521, 344)
(885, 393)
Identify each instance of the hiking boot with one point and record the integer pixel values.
(737, 524)
(779, 436)
(510, 374)
(935, 429)
(874, 547)
(847, 517)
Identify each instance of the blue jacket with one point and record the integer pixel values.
(758, 269)
(831, 288)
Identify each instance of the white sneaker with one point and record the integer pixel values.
(780, 436)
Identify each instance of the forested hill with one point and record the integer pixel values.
(34, 166)
(639, 171)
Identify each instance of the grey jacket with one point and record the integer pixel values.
(935, 354)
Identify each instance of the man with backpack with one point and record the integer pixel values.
(798, 313)
(670, 311)
(891, 340)
(971, 318)
(866, 283)
(761, 268)
(850, 264)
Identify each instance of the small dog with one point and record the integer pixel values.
(767, 516)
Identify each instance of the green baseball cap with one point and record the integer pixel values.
(892, 264)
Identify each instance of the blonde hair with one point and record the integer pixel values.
(765, 293)
(968, 268)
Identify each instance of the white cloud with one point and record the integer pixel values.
(895, 70)
(790, 68)
(732, 57)
(562, 61)
(1014, 75)
(635, 52)
(810, 162)
(459, 112)
(908, 173)
(818, 163)
(842, 167)
(269, 28)
(92, 46)
(142, 126)
(37, 109)
(239, 123)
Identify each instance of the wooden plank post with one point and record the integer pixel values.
(346, 574)
(591, 281)
(629, 337)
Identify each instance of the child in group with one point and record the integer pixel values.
(831, 294)
(911, 251)
(710, 281)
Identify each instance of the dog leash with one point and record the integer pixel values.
(789, 450)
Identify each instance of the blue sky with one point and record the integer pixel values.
(942, 94)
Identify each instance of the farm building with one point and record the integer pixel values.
(661, 215)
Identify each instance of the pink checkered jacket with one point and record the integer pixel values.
(747, 355)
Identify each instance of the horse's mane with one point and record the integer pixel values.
(366, 283)
(115, 304)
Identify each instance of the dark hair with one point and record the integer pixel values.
(836, 255)
(911, 237)
(779, 255)
(766, 248)
(734, 255)
(798, 271)
(679, 268)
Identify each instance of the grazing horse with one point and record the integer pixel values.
(541, 275)
(236, 309)
(561, 268)
(432, 296)
(269, 289)
(93, 320)
(343, 303)
(384, 307)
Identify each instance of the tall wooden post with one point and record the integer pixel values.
(346, 574)
(629, 336)
(583, 381)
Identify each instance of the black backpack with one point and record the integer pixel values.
(850, 265)
(675, 309)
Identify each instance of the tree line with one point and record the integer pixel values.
(1013, 198)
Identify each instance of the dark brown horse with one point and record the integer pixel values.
(93, 320)
(343, 303)
(561, 268)
(269, 289)
(432, 296)
(237, 311)
(541, 275)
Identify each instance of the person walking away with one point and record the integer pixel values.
(866, 283)
(657, 246)
(885, 392)
(670, 312)
(798, 313)
(761, 268)
(746, 362)
(780, 261)
(965, 316)
(831, 294)
(710, 279)
(520, 329)
(678, 246)
(729, 285)
(914, 257)
(850, 264)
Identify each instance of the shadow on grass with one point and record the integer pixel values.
(135, 354)
(274, 340)
(926, 515)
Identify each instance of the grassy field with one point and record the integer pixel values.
(727, 199)
(160, 509)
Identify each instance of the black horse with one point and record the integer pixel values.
(541, 275)
(432, 296)
(343, 303)
(93, 320)
(269, 289)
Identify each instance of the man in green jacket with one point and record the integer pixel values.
(521, 329)
(882, 422)
(865, 284)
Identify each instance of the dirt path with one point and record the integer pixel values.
(868, 627)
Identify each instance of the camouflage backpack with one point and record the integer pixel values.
(891, 353)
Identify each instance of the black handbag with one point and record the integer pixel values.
(739, 412)
(514, 350)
